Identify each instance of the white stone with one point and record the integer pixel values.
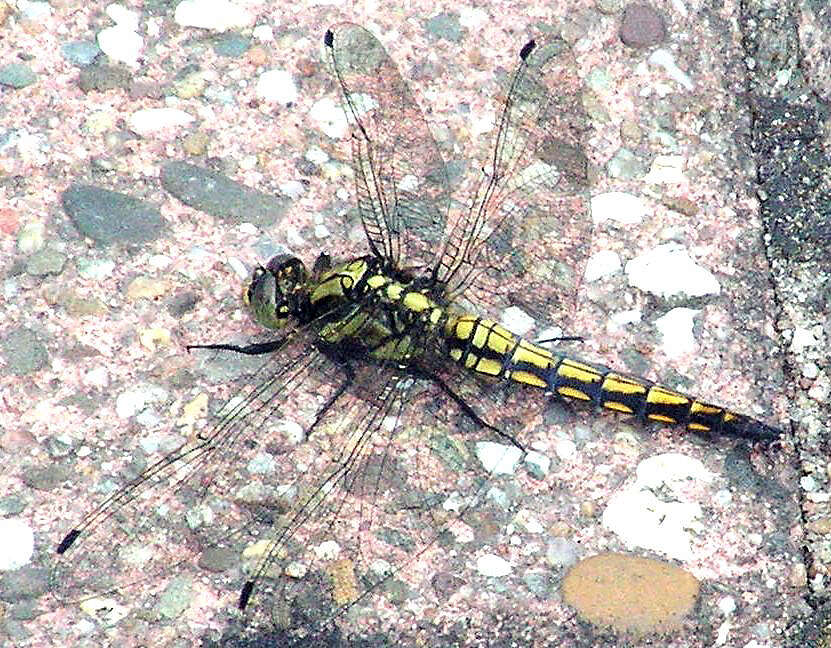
(666, 169)
(676, 328)
(18, 543)
(121, 44)
(668, 270)
(277, 85)
(218, 15)
(328, 550)
(150, 121)
(133, 401)
(481, 124)
(316, 155)
(262, 464)
(97, 377)
(604, 263)
(526, 520)
(727, 605)
(34, 11)
(517, 320)
(105, 611)
(619, 321)
(292, 189)
(671, 468)
(802, 339)
(123, 17)
(618, 206)
(329, 118)
(493, 565)
(657, 512)
(296, 569)
(291, 431)
(664, 58)
(498, 459)
(540, 461)
(472, 18)
(565, 449)
(263, 33)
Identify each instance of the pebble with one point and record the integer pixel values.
(618, 206)
(655, 513)
(217, 15)
(561, 552)
(34, 11)
(446, 26)
(293, 189)
(95, 269)
(625, 165)
(45, 262)
(24, 584)
(31, 237)
(676, 329)
(329, 118)
(277, 85)
(666, 169)
(642, 26)
(80, 53)
(493, 566)
(231, 45)
(23, 352)
(218, 559)
(190, 85)
(176, 598)
(11, 505)
(498, 459)
(517, 320)
(262, 464)
(110, 217)
(665, 59)
(46, 479)
(133, 401)
(218, 195)
(604, 263)
(668, 270)
(630, 594)
(120, 43)
(150, 121)
(108, 612)
(18, 544)
(17, 75)
(101, 77)
(145, 288)
(195, 143)
(537, 464)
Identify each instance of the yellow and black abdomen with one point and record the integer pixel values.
(488, 348)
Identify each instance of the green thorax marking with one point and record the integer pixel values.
(355, 303)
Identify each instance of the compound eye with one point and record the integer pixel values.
(248, 288)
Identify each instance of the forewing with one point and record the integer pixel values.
(401, 179)
(207, 500)
(526, 227)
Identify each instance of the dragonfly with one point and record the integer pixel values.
(341, 459)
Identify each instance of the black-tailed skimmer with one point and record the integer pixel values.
(342, 493)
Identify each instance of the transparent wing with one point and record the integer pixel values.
(526, 225)
(308, 494)
(211, 494)
(402, 184)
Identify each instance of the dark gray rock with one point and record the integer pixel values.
(111, 217)
(218, 195)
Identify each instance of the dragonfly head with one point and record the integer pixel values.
(277, 292)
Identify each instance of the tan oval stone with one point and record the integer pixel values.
(630, 593)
